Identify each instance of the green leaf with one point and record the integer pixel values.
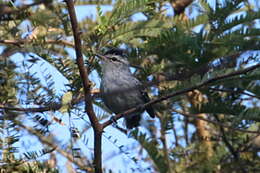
(151, 146)
(66, 100)
(129, 31)
(125, 8)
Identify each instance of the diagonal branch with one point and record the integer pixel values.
(80, 62)
(226, 142)
(87, 88)
(49, 142)
(235, 92)
(57, 106)
(5, 9)
(52, 106)
(214, 122)
(26, 41)
(183, 91)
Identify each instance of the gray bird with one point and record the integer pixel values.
(120, 90)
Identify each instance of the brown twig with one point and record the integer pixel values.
(24, 41)
(57, 106)
(164, 141)
(52, 106)
(50, 143)
(214, 122)
(232, 91)
(5, 9)
(183, 91)
(226, 142)
(87, 89)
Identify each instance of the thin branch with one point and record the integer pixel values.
(87, 88)
(232, 91)
(51, 144)
(51, 106)
(225, 140)
(57, 106)
(80, 62)
(186, 130)
(183, 91)
(214, 122)
(175, 134)
(245, 147)
(164, 142)
(5, 9)
(24, 41)
(231, 149)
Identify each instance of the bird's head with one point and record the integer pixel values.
(114, 59)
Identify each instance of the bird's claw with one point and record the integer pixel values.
(114, 122)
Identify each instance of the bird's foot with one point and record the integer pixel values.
(115, 125)
(114, 122)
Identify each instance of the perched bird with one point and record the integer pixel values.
(120, 90)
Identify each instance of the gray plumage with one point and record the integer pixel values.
(120, 90)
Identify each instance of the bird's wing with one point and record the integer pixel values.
(144, 95)
(145, 98)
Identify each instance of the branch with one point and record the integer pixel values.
(49, 107)
(80, 63)
(164, 144)
(5, 9)
(215, 122)
(52, 106)
(87, 86)
(235, 92)
(24, 41)
(57, 106)
(225, 140)
(207, 82)
(50, 143)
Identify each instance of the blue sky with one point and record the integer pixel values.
(112, 138)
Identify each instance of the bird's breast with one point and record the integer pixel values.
(120, 93)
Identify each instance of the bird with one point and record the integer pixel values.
(120, 89)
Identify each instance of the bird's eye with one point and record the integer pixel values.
(114, 58)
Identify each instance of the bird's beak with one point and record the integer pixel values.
(102, 57)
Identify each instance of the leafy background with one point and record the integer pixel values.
(43, 125)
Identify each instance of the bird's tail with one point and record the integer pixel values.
(132, 121)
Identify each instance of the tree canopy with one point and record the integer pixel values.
(198, 60)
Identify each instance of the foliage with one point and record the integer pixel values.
(39, 76)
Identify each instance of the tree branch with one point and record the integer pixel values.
(24, 41)
(7, 12)
(57, 106)
(52, 106)
(183, 91)
(225, 140)
(50, 143)
(214, 122)
(235, 92)
(87, 86)
(5, 9)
